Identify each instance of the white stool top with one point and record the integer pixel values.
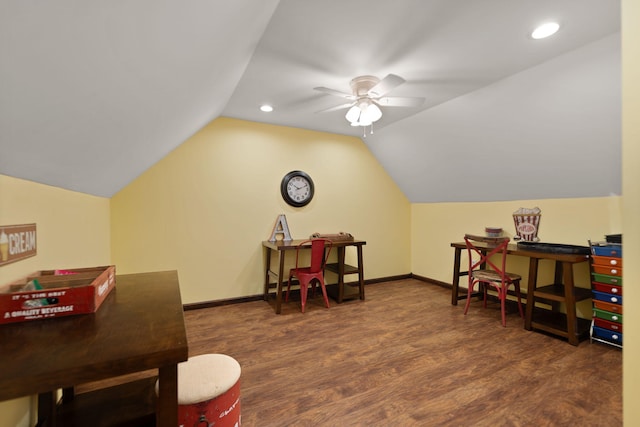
(205, 377)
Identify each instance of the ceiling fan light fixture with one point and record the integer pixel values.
(363, 113)
(545, 30)
(353, 115)
(372, 113)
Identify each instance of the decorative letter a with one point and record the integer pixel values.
(281, 227)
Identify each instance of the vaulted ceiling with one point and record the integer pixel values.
(94, 93)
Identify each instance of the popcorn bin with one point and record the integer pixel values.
(527, 224)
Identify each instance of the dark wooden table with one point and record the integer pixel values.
(139, 327)
(563, 290)
(340, 268)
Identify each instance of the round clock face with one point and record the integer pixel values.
(297, 188)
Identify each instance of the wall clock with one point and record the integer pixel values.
(297, 188)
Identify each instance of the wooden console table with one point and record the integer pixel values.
(563, 290)
(139, 327)
(340, 268)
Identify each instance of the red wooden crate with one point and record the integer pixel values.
(76, 291)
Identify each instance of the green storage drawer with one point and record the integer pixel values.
(607, 315)
(609, 280)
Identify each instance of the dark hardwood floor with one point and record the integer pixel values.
(406, 357)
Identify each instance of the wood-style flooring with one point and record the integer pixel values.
(403, 357)
(406, 357)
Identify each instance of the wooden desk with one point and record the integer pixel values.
(340, 268)
(562, 290)
(140, 326)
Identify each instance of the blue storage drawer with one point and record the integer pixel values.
(611, 250)
(613, 299)
(606, 334)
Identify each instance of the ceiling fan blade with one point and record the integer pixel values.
(399, 101)
(336, 108)
(385, 85)
(335, 92)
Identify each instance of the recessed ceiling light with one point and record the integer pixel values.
(266, 108)
(545, 30)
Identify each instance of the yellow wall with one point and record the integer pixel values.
(205, 208)
(72, 231)
(631, 207)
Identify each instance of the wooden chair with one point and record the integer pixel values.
(486, 272)
(314, 273)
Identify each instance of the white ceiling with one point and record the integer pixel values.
(94, 93)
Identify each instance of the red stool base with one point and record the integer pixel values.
(221, 411)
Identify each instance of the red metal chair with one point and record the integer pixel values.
(495, 276)
(313, 273)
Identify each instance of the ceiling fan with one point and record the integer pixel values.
(368, 95)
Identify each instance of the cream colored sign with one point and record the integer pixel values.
(17, 242)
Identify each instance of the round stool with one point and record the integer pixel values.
(209, 391)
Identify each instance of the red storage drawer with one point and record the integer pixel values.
(612, 326)
(609, 289)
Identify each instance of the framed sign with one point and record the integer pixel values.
(17, 242)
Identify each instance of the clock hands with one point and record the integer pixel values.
(299, 188)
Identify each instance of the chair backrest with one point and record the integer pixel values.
(318, 255)
(494, 246)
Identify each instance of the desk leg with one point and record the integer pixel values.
(558, 278)
(68, 394)
(47, 409)
(341, 252)
(167, 410)
(360, 273)
(279, 290)
(570, 301)
(456, 277)
(531, 288)
(267, 264)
